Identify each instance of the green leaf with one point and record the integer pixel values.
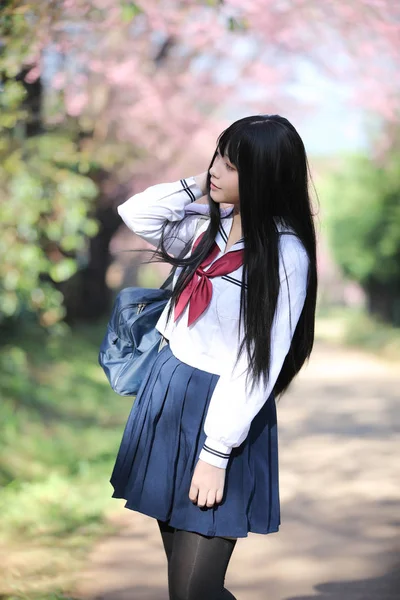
(91, 227)
(63, 270)
(130, 10)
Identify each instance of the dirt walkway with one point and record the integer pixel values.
(340, 492)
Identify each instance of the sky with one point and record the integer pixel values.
(336, 125)
(332, 125)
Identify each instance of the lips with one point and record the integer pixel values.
(212, 183)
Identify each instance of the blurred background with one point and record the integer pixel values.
(102, 98)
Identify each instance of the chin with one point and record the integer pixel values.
(217, 198)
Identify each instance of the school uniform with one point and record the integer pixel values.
(194, 403)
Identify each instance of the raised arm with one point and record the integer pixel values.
(146, 212)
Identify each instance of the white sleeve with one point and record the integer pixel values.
(146, 212)
(232, 407)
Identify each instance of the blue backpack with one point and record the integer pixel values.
(132, 342)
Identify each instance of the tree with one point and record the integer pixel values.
(363, 218)
(119, 90)
(43, 212)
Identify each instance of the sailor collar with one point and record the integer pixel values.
(222, 236)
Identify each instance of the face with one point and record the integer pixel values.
(225, 177)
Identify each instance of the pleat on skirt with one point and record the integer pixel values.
(161, 444)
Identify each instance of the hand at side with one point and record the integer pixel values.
(207, 486)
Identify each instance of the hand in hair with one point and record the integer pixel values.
(201, 181)
(207, 486)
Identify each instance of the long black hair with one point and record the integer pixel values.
(274, 174)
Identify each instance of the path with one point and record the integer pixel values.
(340, 492)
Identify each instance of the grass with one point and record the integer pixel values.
(61, 425)
(354, 327)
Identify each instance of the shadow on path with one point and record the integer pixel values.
(386, 587)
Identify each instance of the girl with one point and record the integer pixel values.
(199, 452)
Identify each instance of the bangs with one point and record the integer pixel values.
(229, 143)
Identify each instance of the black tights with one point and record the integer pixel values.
(196, 564)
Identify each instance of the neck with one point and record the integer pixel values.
(236, 218)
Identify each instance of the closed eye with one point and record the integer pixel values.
(228, 166)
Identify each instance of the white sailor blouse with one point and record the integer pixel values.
(211, 343)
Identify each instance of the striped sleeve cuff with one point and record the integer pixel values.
(191, 188)
(215, 453)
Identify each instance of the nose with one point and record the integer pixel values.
(213, 172)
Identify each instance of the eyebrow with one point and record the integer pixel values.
(225, 156)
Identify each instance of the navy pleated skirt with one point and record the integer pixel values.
(161, 445)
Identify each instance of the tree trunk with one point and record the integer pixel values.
(86, 294)
(383, 301)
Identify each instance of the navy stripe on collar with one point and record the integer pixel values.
(233, 280)
(222, 232)
(225, 237)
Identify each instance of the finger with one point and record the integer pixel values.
(202, 497)
(219, 495)
(210, 498)
(193, 492)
